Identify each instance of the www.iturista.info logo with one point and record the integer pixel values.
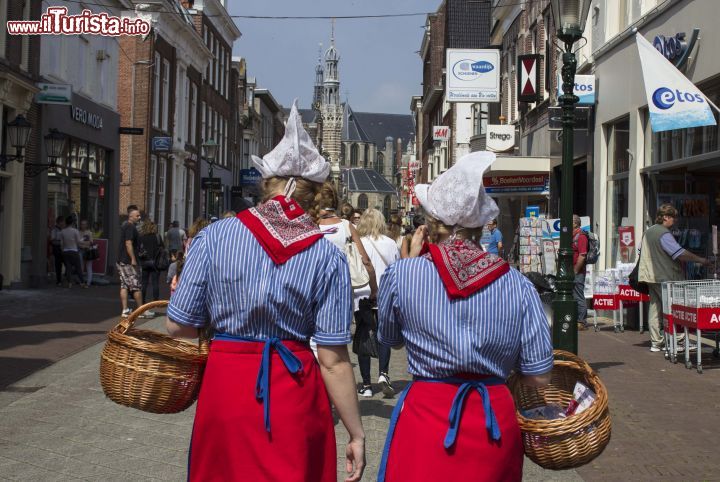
(56, 21)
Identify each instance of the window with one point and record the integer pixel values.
(343, 159)
(160, 221)
(549, 51)
(165, 94)
(156, 90)
(618, 135)
(152, 176)
(183, 100)
(362, 202)
(386, 207)
(203, 122)
(480, 119)
(25, 43)
(380, 163)
(366, 158)
(221, 68)
(354, 155)
(246, 154)
(3, 28)
(190, 197)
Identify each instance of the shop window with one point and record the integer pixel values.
(162, 175)
(362, 204)
(618, 135)
(151, 186)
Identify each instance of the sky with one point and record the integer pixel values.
(380, 69)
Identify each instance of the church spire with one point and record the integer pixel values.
(331, 81)
(319, 78)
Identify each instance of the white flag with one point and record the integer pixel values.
(674, 101)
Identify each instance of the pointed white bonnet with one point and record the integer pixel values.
(295, 155)
(457, 197)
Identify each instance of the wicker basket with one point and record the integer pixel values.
(150, 371)
(567, 442)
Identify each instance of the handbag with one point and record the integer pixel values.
(359, 276)
(91, 254)
(162, 259)
(365, 341)
(634, 276)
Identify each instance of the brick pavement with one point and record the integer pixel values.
(57, 425)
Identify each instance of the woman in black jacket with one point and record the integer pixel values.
(150, 244)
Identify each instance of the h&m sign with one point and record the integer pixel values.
(441, 133)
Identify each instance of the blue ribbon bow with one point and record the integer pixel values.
(262, 385)
(456, 410)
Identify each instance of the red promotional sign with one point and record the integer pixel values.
(606, 302)
(697, 318)
(100, 265)
(627, 293)
(627, 235)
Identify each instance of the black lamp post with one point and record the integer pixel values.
(18, 135)
(209, 148)
(569, 17)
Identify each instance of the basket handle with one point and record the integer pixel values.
(128, 322)
(573, 358)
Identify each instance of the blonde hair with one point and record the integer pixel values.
(372, 223)
(148, 227)
(197, 226)
(394, 227)
(438, 230)
(307, 193)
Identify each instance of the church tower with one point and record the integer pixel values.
(319, 79)
(331, 109)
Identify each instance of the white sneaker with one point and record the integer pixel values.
(365, 391)
(125, 313)
(655, 349)
(384, 382)
(149, 314)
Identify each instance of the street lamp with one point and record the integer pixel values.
(209, 148)
(54, 147)
(18, 135)
(569, 17)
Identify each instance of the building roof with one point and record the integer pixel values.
(351, 129)
(377, 127)
(308, 116)
(366, 180)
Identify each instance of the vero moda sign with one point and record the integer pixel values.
(674, 102)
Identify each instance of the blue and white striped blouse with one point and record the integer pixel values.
(497, 329)
(229, 281)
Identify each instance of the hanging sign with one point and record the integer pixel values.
(54, 94)
(472, 75)
(674, 102)
(441, 133)
(250, 176)
(500, 138)
(584, 89)
(528, 81)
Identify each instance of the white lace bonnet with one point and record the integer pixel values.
(457, 197)
(295, 155)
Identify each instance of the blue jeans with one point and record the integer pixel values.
(579, 295)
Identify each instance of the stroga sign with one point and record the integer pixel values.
(584, 89)
(500, 138)
(472, 75)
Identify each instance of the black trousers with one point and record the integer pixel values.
(365, 315)
(58, 258)
(73, 266)
(151, 274)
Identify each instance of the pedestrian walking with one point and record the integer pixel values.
(383, 252)
(417, 221)
(172, 269)
(467, 320)
(197, 226)
(264, 283)
(70, 240)
(355, 217)
(346, 211)
(150, 244)
(86, 250)
(176, 273)
(660, 261)
(56, 246)
(580, 250)
(127, 263)
(175, 238)
(495, 239)
(395, 230)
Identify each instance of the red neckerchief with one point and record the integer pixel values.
(464, 268)
(282, 228)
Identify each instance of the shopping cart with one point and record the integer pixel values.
(605, 297)
(669, 327)
(696, 305)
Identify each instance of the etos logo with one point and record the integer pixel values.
(664, 98)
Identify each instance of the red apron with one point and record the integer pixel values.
(230, 440)
(479, 440)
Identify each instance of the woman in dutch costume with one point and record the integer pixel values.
(467, 320)
(264, 283)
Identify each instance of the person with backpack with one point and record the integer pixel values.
(150, 246)
(580, 254)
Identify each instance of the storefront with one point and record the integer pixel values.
(82, 183)
(636, 170)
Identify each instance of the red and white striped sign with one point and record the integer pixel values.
(528, 78)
